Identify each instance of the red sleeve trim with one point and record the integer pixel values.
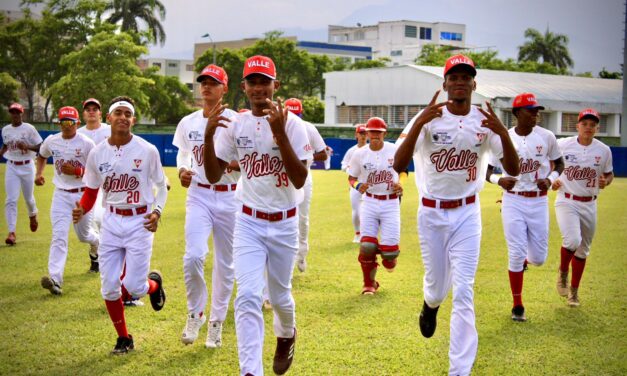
(89, 198)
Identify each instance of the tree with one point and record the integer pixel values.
(232, 61)
(8, 93)
(552, 48)
(313, 110)
(365, 64)
(130, 13)
(610, 75)
(167, 97)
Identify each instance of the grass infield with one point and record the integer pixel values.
(340, 331)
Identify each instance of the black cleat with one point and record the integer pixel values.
(157, 298)
(123, 345)
(95, 267)
(518, 313)
(284, 354)
(428, 320)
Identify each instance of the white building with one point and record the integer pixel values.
(183, 69)
(397, 94)
(401, 41)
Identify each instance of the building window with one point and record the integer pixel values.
(425, 33)
(510, 121)
(359, 35)
(396, 53)
(411, 31)
(339, 38)
(172, 65)
(569, 123)
(158, 65)
(189, 67)
(447, 35)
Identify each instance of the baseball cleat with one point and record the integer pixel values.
(389, 265)
(133, 302)
(518, 314)
(357, 238)
(562, 282)
(49, 284)
(301, 264)
(10, 240)
(95, 266)
(157, 298)
(370, 290)
(573, 297)
(525, 265)
(267, 305)
(192, 327)
(214, 335)
(284, 354)
(428, 320)
(34, 225)
(123, 345)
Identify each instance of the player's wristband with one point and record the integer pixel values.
(157, 212)
(494, 178)
(357, 186)
(553, 176)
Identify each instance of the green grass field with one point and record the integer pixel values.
(340, 331)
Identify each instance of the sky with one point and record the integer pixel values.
(595, 27)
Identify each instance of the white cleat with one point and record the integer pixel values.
(214, 335)
(301, 264)
(49, 284)
(357, 238)
(192, 327)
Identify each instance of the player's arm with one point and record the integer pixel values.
(355, 184)
(88, 199)
(183, 159)
(40, 164)
(3, 149)
(606, 179)
(509, 161)
(234, 165)
(558, 167)
(214, 167)
(320, 155)
(506, 182)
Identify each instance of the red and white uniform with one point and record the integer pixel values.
(575, 205)
(68, 190)
(525, 210)
(355, 196)
(126, 174)
(20, 171)
(210, 208)
(451, 158)
(266, 229)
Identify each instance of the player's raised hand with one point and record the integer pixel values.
(432, 111)
(507, 182)
(152, 221)
(277, 116)
(557, 184)
(215, 119)
(77, 212)
(492, 121)
(40, 180)
(185, 176)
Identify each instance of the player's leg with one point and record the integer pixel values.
(369, 245)
(568, 222)
(303, 225)
(355, 197)
(588, 227)
(12, 187)
(139, 280)
(85, 229)
(27, 181)
(60, 218)
(390, 233)
(514, 215)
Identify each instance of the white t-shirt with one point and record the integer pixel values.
(264, 183)
(12, 135)
(347, 157)
(535, 152)
(315, 140)
(127, 174)
(190, 138)
(452, 154)
(375, 168)
(583, 165)
(96, 135)
(74, 150)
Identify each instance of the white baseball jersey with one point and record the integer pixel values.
(375, 168)
(315, 140)
(74, 150)
(126, 174)
(345, 164)
(583, 165)
(451, 154)
(264, 182)
(96, 135)
(12, 135)
(535, 152)
(190, 137)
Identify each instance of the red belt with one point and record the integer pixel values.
(448, 204)
(19, 163)
(130, 211)
(74, 190)
(580, 198)
(219, 188)
(272, 217)
(383, 197)
(529, 193)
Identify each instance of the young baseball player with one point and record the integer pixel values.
(372, 174)
(355, 196)
(295, 106)
(588, 169)
(209, 208)
(126, 167)
(69, 151)
(272, 148)
(525, 209)
(20, 144)
(451, 142)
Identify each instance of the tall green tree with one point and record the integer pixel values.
(168, 97)
(232, 61)
(8, 93)
(551, 47)
(130, 14)
(365, 64)
(313, 110)
(610, 75)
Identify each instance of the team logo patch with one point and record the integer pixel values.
(57, 153)
(104, 167)
(244, 142)
(539, 149)
(442, 138)
(571, 158)
(195, 136)
(369, 166)
(597, 159)
(77, 152)
(481, 137)
(138, 162)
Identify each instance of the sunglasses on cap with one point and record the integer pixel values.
(67, 122)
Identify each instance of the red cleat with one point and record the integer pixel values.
(34, 225)
(10, 240)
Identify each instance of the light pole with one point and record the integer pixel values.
(214, 46)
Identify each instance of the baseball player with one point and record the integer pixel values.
(320, 153)
(355, 196)
(69, 151)
(450, 142)
(209, 208)
(20, 144)
(372, 174)
(588, 169)
(125, 167)
(272, 148)
(525, 209)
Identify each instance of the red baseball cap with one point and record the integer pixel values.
(589, 112)
(92, 100)
(361, 128)
(460, 60)
(526, 100)
(260, 65)
(68, 112)
(215, 72)
(16, 107)
(294, 105)
(376, 124)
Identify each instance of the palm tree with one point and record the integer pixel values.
(551, 47)
(129, 12)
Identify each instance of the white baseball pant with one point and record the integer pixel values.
(381, 217)
(355, 207)
(526, 227)
(577, 222)
(124, 239)
(16, 178)
(259, 244)
(208, 211)
(450, 242)
(99, 211)
(303, 219)
(61, 217)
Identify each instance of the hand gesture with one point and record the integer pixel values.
(68, 169)
(215, 119)
(492, 122)
(39, 180)
(432, 111)
(543, 184)
(557, 184)
(77, 213)
(185, 177)
(507, 182)
(152, 221)
(363, 188)
(277, 117)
